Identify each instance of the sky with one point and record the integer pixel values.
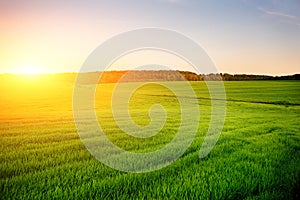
(240, 36)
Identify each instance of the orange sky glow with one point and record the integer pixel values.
(241, 37)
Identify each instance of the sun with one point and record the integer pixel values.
(30, 70)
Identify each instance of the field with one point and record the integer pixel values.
(256, 157)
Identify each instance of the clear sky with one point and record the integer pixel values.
(241, 36)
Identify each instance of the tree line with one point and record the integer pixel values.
(172, 75)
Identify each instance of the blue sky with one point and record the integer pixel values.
(241, 36)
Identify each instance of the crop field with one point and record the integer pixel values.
(256, 157)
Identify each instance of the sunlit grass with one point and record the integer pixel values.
(256, 157)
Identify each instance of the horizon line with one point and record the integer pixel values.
(76, 72)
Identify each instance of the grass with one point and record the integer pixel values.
(256, 157)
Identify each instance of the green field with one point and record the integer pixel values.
(256, 157)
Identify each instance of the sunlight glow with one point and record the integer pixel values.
(30, 70)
